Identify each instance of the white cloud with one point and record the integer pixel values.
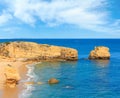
(86, 14)
(59, 11)
(4, 18)
(10, 29)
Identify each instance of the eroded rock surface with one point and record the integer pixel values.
(36, 52)
(12, 76)
(100, 52)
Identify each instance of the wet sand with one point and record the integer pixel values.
(6, 92)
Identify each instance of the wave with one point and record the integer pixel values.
(27, 92)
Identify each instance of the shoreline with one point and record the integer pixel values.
(22, 68)
(29, 76)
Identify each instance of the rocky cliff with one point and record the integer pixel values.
(38, 52)
(12, 76)
(100, 52)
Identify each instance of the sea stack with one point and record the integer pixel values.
(100, 52)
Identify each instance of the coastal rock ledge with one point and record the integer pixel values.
(12, 76)
(100, 52)
(30, 51)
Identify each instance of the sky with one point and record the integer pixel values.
(59, 19)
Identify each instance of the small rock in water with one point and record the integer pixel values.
(53, 81)
(39, 83)
(30, 83)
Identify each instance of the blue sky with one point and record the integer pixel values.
(59, 19)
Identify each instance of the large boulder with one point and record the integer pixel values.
(37, 52)
(100, 52)
(53, 81)
(12, 76)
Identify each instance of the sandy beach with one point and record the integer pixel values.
(14, 56)
(21, 68)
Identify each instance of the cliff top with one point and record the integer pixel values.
(32, 50)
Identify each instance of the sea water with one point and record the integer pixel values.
(78, 79)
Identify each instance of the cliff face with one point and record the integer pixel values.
(100, 52)
(12, 76)
(34, 51)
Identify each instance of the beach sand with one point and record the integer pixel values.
(6, 92)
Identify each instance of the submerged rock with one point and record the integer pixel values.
(12, 76)
(27, 51)
(39, 83)
(100, 52)
(32, 83)
(53, 81)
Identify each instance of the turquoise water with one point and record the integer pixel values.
(81, 79)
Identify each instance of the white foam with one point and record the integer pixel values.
(27, 92)
(68, 87)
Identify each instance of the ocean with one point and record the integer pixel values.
(78, 79)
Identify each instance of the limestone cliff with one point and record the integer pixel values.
(100, 52)
(12, 76)
(34, 51)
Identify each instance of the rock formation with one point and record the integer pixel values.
(12, 76)
(32, 82)
(53, 81)
(100, 52)
(36, 52)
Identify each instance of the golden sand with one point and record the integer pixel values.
(6, 92)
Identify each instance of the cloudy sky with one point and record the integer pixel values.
(59, 19)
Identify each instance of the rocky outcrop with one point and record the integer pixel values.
(12, 76)
(32, 82)
(33, 51)
(100, 52)
(53, 81)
